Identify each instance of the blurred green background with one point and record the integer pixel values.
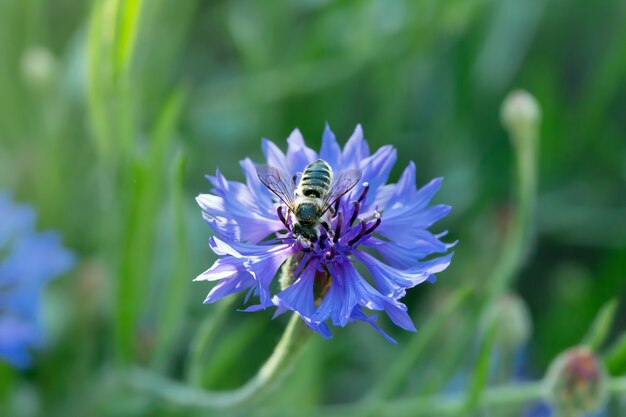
(111, 113)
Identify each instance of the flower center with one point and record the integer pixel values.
(342, 228)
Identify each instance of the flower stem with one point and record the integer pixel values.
(454, 405)
(444, 404)
(518, 240)
(617, 385)
(284, 355)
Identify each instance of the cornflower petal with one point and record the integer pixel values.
(404, 254)
(298, 154)
(376, 169)
(274, 156)
(394, 282)
(355, 150)
(299, 295)
(251, 264)
(234, 212)
(358, 314)
(264, 197)
(330, 152)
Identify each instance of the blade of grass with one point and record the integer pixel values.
(144, 183)
(172, 313)
(127, 34)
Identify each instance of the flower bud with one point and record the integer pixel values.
(520, 113)
(511, 317)
(287, 271)
(576, 383)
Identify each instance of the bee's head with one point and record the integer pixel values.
(307, 214)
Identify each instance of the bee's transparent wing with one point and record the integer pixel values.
(342, 183)
(279, 183)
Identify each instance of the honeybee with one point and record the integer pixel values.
(317, 191)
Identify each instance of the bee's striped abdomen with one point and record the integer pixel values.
(316, 179)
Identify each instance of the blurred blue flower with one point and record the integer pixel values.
(543, 409)
(28, 260)
(254, 237)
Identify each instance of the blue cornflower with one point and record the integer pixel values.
(254, 237)
(28, 260)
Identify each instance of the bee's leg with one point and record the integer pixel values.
(325, 226)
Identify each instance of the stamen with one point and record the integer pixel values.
(338, 228)
(355, 212)
(374, 227)
(281, 216)
(359, 235)
(366, 187)
(336, 208)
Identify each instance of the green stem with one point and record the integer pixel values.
(517, 241)
(445, 404)
(281, 360)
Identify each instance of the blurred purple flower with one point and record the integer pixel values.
(254, 237)
(28, 260)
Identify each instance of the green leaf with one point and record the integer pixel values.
(616, 357)
(144, 187)
(597, 333)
